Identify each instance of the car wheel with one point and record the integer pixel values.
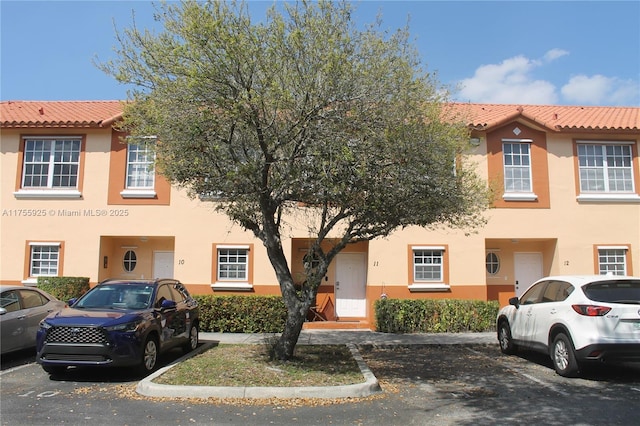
(54, 370)
(563, 356)
(149, 355)
(193, 339)
(504, 338)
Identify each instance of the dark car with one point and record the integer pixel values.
(119, 323)
(21, 310)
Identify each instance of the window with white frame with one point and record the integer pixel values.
(605, 167)
(233, 264)
(140, 168)
(517, 166)
(428, 264)
(44, 259)
(51, 162)
(612, 260)
(492, 263)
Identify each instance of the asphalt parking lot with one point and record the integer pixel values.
(466, 384)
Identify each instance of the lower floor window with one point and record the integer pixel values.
(233, 264)
(427, 265)
(612, 261)
(44, 259)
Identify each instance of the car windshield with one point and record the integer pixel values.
(112, 296)
(614, 291)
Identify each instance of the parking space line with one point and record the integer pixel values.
(12, 369)
(547, 385)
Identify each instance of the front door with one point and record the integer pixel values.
(163, 264)
(351, 282)
(527, 270)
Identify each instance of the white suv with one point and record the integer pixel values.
(575, 319)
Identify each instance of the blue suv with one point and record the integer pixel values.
(119, 323)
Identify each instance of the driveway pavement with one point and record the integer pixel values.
(351, 338)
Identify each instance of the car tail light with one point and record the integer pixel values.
(591, 310)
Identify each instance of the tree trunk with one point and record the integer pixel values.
(287, 343)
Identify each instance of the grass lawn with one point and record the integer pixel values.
(250, 365)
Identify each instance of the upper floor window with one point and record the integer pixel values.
(605, 168)
(517, 166)
(140, 169)
(51, 167)
(44, 259)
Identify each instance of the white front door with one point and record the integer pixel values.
(163, 264)
(351, 282)
(527, 270)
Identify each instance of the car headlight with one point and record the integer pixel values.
(128, 326)
(45, 325)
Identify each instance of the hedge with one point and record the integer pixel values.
(64, 288)
(267, 314)
(242, 314)
(435, 315)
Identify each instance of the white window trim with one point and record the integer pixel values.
(601, 196)
(626, 248)
(38, 192)
(47, 193)
(603, 142)
(138, 193)
(232, 286)
(519, 196)
(428, 285)
(608, 197)
(515, 195)
(33, 279)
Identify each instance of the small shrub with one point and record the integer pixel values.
(242, 314)
(434, 315)
(64, 288)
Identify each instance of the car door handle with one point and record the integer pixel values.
(22, 317)
(553, 311)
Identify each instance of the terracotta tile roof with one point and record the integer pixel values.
(552, 117)
(50, 114)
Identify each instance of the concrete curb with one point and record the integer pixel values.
(370, 386)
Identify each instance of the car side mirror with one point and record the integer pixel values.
(515, 302)
(3, 311)
(72, 302)
(168, 304)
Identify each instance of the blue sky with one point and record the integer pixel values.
(525, 52)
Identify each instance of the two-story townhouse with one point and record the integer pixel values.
(77, 201)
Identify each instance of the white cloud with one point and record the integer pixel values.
(601, 90)
(510, 82)
(554, 54)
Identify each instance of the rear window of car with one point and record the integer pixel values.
(615, 291)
